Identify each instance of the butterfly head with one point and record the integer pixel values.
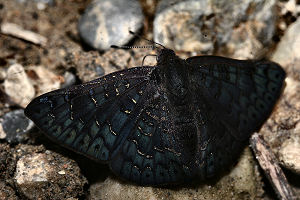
(165, 56)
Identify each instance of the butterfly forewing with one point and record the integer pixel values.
(93, 117)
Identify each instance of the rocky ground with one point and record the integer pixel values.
(63, 42)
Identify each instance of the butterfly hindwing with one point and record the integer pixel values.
(148, 156)
(218, 147)
(233, 98)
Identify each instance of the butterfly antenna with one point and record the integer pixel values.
(133, 47)
(151, 41)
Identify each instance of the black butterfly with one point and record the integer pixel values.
(170, 123)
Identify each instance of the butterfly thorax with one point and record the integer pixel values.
(174, 85)
(165, 56)
(174, 74)
(176, 97)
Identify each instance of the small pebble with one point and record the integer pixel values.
(70, 79)
(39, 170)
(3, 74)
(287, 51)
(289, 153)
(107, 22)
(14, 125)
(179, 26)
(17, 85)
(62, 172)
(26, 173)
(43, 79)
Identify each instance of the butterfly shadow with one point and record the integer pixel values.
(92, 170)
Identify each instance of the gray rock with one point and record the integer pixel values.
(48, 176)
(283, 127)
(107, 22)
(229, 28)
(289, 151)
(242, 183)
(282, 130)
(287, 51)
(14, 125)
(285, 117)
(27, 174)
(177, 25)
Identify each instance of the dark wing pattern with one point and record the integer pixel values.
(234, 99)
(150, 155)
(113, 119)
(92, 118)
(152, 136)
